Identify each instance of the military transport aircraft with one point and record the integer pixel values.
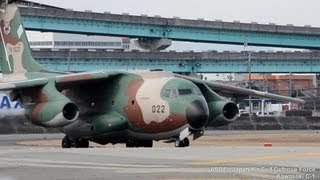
(134, 108)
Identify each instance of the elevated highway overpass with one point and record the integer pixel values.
(184, 62)
(151, 29)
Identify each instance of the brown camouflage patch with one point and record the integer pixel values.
(42, 100)
(170, 124)
(75, 77)
(8, 38)
(132, 109)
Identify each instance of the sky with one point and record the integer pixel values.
(283, 12)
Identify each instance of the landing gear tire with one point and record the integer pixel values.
(139, 143)
(66, 143)
(184, 143)
(82, 143)
(74, 142)
(130, 144)
(178, 143)
(147, 143)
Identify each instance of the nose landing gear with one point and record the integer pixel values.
(184, 143)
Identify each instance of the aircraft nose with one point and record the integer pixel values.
(197, 114)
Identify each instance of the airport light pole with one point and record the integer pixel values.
(249, 69)
(68, 61)
(290, 89)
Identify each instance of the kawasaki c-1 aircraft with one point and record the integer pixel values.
(134, 108)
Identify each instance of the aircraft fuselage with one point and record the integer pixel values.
(150, 105)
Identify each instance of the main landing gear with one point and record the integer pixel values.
(184, 143)
(69, 142)
(139, 143)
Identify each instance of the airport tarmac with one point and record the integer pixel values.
(300, 160)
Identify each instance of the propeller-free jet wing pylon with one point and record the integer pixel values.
(134, 108)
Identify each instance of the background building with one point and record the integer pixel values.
(286, 84)
(74, 41)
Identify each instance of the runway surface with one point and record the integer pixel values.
(196, 162)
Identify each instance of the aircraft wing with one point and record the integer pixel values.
(60, 80)
(71, 79)
(5, 86)
(239, 93)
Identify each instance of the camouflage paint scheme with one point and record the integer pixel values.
(110, 106)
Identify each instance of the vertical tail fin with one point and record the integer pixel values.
(15, 52)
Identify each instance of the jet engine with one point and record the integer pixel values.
(53, 113)
(222, 113)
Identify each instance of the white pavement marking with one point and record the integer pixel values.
(76, 163)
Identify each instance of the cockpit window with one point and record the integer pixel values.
(174, 93)
(169, 93)
(166, 93)
(185, 91)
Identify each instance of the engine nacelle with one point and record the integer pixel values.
(222, 113)
(53, 113)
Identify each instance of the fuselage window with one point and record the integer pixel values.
(185, 91)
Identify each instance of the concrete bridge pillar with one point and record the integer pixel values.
(318, 80)
(153, 44)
